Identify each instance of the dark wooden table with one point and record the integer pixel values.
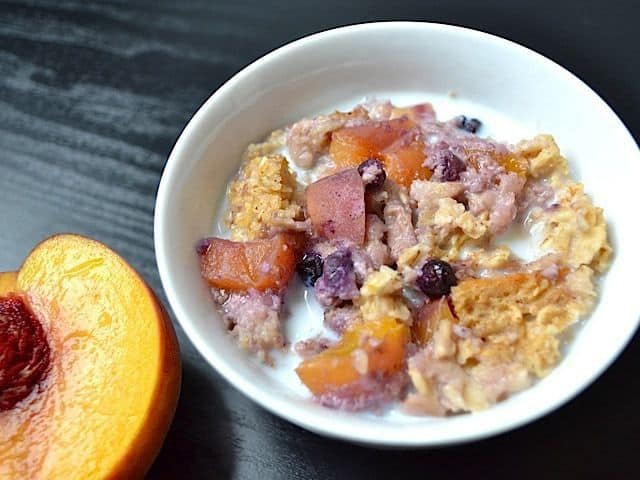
(92, 98)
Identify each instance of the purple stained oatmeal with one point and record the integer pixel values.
(477, 323)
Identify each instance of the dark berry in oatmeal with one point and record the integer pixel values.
(436, 278)
(450, 167)
(372, 173)
(310, 268)
(338, 279)
(471, 125)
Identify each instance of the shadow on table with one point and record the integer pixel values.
(532, 454)
(198, 444)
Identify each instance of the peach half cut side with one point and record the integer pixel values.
(103, 405)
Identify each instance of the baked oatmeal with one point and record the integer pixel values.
(396, 222)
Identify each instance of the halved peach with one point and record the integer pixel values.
(261, 264)
(104, 402)
(366, 348)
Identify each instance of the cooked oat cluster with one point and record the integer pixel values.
(399, 224)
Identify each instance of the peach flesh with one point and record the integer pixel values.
(107, 401)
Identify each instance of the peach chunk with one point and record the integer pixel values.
(261, 264)
(335, 206)
(428, 318)
(403, 161)
(514, 164)
(351, 145)
(108, 373)
(366, 348)
(393, 142)
(511, 162)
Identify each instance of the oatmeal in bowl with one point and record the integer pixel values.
(390, 341)
(399, 225)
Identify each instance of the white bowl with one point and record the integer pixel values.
(515, 91)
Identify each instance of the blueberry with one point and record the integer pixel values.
(471, 125)
(451, 167)
(338, 280)
(372, 173)
(437, 278)
(310, 268)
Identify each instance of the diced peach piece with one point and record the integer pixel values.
(335, 206)
(511, 162)
(352, 145)
(514, 164)
(391, 141)
(262, 264)
(403, 162)
(428, 318)
(366, 348)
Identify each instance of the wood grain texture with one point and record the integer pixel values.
(92, 98)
